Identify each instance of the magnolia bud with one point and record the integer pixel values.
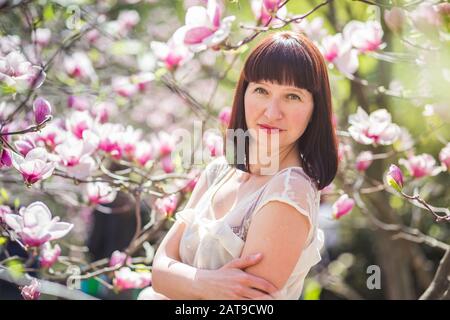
(42, 109)
(395, 178)
(342, 206)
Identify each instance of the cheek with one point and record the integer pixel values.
(299, 120)
(251, 108)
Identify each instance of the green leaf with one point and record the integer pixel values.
(160, 72)
(4, 194)
(16, 268)
(3, 241)
(48, 13)
(396, 202)
(391, 181)
(6, 90)
(312, 290)
(16, 203)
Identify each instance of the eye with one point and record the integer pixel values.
(260, 90)
(293, 96)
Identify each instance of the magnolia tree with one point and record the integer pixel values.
(97, 98)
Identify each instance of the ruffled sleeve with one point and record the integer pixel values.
(214, 169)
(211, 172)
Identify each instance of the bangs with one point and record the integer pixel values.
(285, 61)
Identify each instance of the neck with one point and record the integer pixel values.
(262, 163)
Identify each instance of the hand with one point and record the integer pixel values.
(232, 282)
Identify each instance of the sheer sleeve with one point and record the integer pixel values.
(296, 189)
(212, 171)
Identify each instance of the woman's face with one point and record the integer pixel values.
(287, 109)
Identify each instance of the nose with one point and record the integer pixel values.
(273, 111)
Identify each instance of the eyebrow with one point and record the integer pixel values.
(299, 90)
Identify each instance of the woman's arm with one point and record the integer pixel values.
(177, 280)
(280, 232)
(170, 277)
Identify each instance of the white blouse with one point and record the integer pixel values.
(210, 243)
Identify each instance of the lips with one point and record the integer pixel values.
(268, 128)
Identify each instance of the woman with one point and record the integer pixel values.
(245, 234)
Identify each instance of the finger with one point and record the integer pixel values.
(253, 294)
(261, 284)
(245, 262)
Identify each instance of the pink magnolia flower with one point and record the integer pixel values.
(50, 136)
(364, 160)
(100, 193)
(42, 110)
(364, 36)
(128, 19)
(35, 226)
(92, 36)
(395, 19)
(271, 5)
(395, 177)
(143, 152)
(31, 292)
(164, 143)
(374, 129)
(78, 122)
(74, 155)
(225, 116)
(338, 51)
(342, 206)
(125, 279)
(17, 72)
(204, 28)
(34, 166)
(79, 66)
(9, 43)
(264, 15)
(167, 164)
(174, 53)
(128, 140)
(404, 141)
(41, 36)
(443, 8)
(49, 255)
(109, 135)
(79, 103)
(189, 187)
(167, 205)
(5, 158)
(314, 29)
(3, 211)
(420, 165)
(444, 156)
(124, 87)
(118, 258)
(102, 111)
(426, 17)
(142, 80)
(25, 144)
(214, 143)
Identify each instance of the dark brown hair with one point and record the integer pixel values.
(289, 58)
